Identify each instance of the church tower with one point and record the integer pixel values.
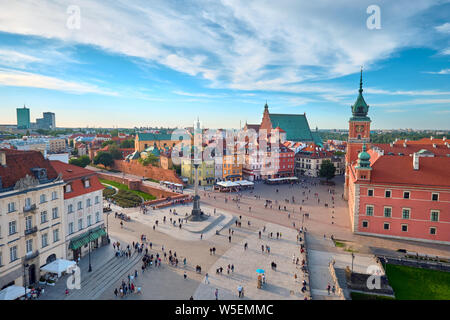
(358, 133)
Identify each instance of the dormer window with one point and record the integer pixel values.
(87, 183)
(68, 188)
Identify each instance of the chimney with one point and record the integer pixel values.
(444, 138)
(404, 144)
(431, 138)
(3, 158)
(391, 144)
(434, 145)
(415, 161)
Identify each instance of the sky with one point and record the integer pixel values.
(130, 63)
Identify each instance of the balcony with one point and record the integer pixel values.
(31, 255)
(30, 231)
(31, 208)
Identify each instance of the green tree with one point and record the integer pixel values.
(127, 144)
(327, 170)
(107, 143)
(115, 153)
(151, 159)
(104, 158)
(114, 132)
(82, 161)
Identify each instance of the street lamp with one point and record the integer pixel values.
(25, 265)
(107, 226)
(90, 267)
(353, 258)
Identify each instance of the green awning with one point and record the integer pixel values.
(86, 237)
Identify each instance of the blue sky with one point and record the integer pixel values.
(163, 63)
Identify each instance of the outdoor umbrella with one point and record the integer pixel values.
(58, 266)
(260, 271)
(12, 292)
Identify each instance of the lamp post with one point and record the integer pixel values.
(107, 226)
(353, 258)
(25, 265)
(90, 267)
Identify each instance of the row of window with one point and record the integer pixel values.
(404, 227)
(68, 187)
(80, 223)
(406, 194)
(80, 204)
(406, 213)
(13, 254)
(42, 199)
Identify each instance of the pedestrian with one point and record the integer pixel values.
(185, 275)
(328, 289)
(333, 289)
(207, 278)
(216, 294)
(240, 290)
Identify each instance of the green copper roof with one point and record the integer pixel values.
(295, 125)
(360, 108)
(154, 136)
(317, 138)
(363, 158)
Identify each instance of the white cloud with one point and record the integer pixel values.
(443, 71)
(26, 79)
(444, 28)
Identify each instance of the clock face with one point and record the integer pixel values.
(359, 129)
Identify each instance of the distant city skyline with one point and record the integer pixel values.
(138, 64)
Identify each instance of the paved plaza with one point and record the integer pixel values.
(194, 241)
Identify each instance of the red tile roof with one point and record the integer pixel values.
(440, 150)
(427, 141)
(19, 163)
(433, 171)
(75, 175)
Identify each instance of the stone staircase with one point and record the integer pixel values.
(95, 283)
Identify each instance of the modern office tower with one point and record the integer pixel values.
(23, 118)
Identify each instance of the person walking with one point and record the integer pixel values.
(216, 294)
(240, 290)
(185, 275)
(207, 278)
(328, 289)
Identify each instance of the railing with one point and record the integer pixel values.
(31, 255)
(29, 208)
(30, 230)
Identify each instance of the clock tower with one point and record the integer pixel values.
(358, 133)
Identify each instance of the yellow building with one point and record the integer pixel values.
(232, 167)
(205, 172)
(31, 216)
(57, 145)
(160, 141)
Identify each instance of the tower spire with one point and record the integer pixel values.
(360, 82)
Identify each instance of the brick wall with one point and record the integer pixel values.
(156, 173)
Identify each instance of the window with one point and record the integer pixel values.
(13, 253)
(55, 213)
(29, 246)
(11, 207)
(404, 227)
(70, 208)
(365, 224)
(387, 193)
(55, 235)
(97, 200)
(433, 230)
(70, 227)
(12, 227)
(406, 195)
(434, 215)
(87, 183)
(44, 240)
(28, 222)
(43, 216)
(386, 226)
(80, 224)
(97, 217)
(406, 213)
(80, 205)
(54, 195)
(435, 196)
(369, 210)
(27, 202)
(89, 218)
(387, 212)
(68, 188)
(370, 192)
(43, 198)
(88, 203)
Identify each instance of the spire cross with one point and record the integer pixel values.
(360, 82)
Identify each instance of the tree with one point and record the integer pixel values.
(151, 159)
(104, 158)
(108, 142)
(327, 170)
(115, 153)
(126, 144)
(82, 161)
(114, 133)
